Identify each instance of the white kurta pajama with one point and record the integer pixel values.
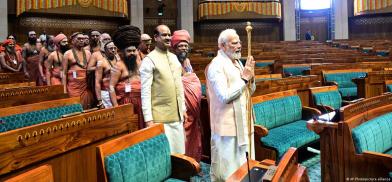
(174, 130)
(228, 97)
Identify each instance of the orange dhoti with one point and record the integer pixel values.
(77, 87)
(192, 91)
(32, 63)
(55, 78)
(133, 97)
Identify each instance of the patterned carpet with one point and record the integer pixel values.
(314, 168)
(312, 165)
(204, 175)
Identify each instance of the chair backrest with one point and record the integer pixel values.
(276, 109)
(295, 69)
(327, 96)
(344, 79)
(143, 155)
(31, 114)
(40, 174)
(374, 135)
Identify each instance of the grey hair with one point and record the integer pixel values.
(224, 36)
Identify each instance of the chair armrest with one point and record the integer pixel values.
(325, 108)
(71, 114)
(381, 158)
(184, 167)
(319, 126)
(90, 110)
(309, 112)
(260, 131)
(346, 102)
(330, 83)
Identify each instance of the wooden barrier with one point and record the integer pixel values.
(28, 95)
(16, 85)
(67, 144)
(339, 160)
(11, 78)
(373, 84)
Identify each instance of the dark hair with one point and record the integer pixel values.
(11, 35)
(126, 36)
(93, 30)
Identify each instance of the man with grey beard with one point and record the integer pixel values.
(231, 118)
(192, 91)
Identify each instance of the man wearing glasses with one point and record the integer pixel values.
(75, 71)
(162, 90)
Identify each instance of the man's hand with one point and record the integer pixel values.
(249, 69)
(149, 123)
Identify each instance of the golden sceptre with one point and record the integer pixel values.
(248, 29)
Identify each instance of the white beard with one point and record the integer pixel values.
(233, 55)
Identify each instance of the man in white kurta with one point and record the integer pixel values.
(162, 91)
(229, 89)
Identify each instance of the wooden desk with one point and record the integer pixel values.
(373, 84)
(287, 170)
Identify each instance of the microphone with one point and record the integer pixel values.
(247, 162)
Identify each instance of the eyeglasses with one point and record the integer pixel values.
(112, 48)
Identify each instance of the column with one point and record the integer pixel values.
(136, 15)
(3, 19)
(341, 19)
(289, 20)
(185, 16)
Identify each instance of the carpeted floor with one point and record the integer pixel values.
(204, 175)
(314, 168)
(312, 165)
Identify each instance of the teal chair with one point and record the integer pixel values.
(343, 79)
(143, 155)
(295, 69)
(32, 114)
(280, 123)
(326, 99)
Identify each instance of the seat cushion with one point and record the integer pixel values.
(331, 98)
(374, 135)
(146, 161)
(294, 134)
(388, 151)
(344, 80)
(348, 92)
(277, 112)
(36, 117)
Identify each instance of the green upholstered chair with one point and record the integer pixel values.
(295, 69)
(326, 99)
(280, 123)
(343, 79)
(264, 63)
(374, 135)
(143, 155)
(32, 114)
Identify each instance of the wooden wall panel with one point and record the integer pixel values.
(317, 22)
(52, 25)
(370, 27)
(151, 18)
(208, 31)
